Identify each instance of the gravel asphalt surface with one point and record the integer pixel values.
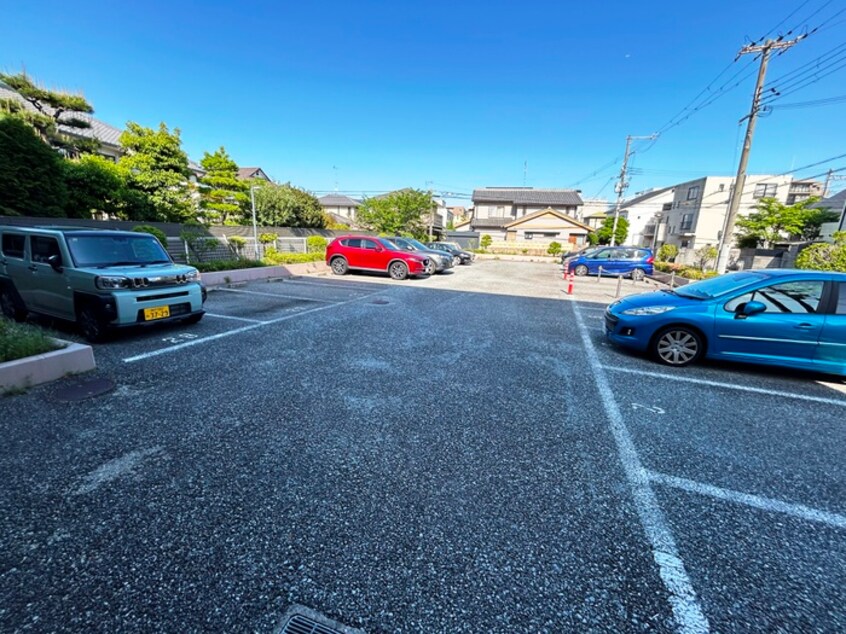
(463, 453)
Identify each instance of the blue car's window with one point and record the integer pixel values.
(388, 244)
(790, 297)
(718, 286)
(841, 302)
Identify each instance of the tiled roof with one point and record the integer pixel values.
(549, 211)
(644, 197)
(491, 222)
(336, 200)
(528, 196)
(245, 173)
(834, 203)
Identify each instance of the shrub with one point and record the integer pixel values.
(706, 254)
(23, 340)
(667, 253)
(316, 244)
(554, 248)
(227, 265)
(272, 256)
(237, 243)
(157, 233)
(485, 242)
(824, 257)
(267, 238)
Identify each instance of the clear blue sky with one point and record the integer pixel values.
(458, 95)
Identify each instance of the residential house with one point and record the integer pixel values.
(545, 226)
(497, 208)
(699, 207)
(250, 173)
(641, 212)
(342, 208)
(595, 210)
(837, 204)
(800, 190)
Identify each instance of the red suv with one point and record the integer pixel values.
(369, 253)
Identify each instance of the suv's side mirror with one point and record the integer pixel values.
(55, 261)
(748, 309)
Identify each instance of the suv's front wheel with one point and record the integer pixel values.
(11, 304)
(91, 325)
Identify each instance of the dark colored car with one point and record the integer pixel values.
(439, 261)
(566, 255)
(782, 317)
(459, 256)
(634, 262)
(368, 253)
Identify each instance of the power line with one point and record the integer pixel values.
(810, 104)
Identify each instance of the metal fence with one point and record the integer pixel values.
(207, 248)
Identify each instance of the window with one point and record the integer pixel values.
(693, 192)
(765, 190)
(605, 254)
(368, 244)
(684, 244)
(791, 297)
(13, 245)
(43, 248)
(528, 235)
(722, 187)
(666, 206)
(841, 301)
(686, 222)
(354, 243)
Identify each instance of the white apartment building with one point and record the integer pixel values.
(641, 212)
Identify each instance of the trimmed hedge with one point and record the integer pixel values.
(227, 265)
(18, 341)
(272, 256)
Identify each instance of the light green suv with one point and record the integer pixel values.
(102, 280)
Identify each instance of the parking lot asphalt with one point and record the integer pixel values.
(458, 453)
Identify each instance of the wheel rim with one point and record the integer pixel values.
(581, 269)
(456, 260)
(637, 274)
(677, 347)
(338, 266)
(397, 270)
(430, 269)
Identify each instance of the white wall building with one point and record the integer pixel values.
(641, 212)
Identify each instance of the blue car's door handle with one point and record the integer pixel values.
(804, 326)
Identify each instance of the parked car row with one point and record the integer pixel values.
(101, 280)
(399, 257)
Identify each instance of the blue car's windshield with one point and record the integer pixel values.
(708, 289)
(388, 244)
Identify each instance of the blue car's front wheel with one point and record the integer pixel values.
(677, 346)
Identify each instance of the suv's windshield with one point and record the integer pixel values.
(116, 250)
(417, 244)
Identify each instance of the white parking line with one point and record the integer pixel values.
(251, 321)
(238, 331)
(767, 504)
(305, 299)
(683, 600)
(728, 386)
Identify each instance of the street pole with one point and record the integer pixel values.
(255, 228)
(827, 183)
(765, 50)
(621, 186)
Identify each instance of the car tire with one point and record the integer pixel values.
(398, 270)
(581, 270)
(431, 268)
(339, 266)
(638, 274)
(456, 260)
(677, 346)
(92, 327)
(11, 304)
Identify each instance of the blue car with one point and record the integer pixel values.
(634, 262)
(772, 317)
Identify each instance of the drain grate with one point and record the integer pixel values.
(80, 391)
(302, 620)
(298, 624)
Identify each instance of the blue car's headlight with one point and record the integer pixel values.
(648, 310)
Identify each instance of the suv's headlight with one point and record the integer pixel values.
(648, 310)
(193, 275)
(112, 282)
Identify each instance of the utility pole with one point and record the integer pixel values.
(827, 183)
(621, 186)
(765, 50)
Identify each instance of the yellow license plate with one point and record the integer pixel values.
(159, 312)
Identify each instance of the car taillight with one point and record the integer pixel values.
(650, 259)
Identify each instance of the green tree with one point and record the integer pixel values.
(486, 241)
(603, 234)
(156, 165)
(406, 210)
(774, 221)
(667, 252)
(824, 256)
(153, 231)
(50, 108)
(223, 196)
(96, 184)
(706, 254)
(287, 206)
(31, 175)
(554, 248)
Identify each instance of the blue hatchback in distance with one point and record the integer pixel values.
(634, 262)
(778, 317)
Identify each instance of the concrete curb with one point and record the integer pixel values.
(221, 278)
(43, 368)
(519, 258)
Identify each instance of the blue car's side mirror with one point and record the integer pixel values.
(750, 308)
